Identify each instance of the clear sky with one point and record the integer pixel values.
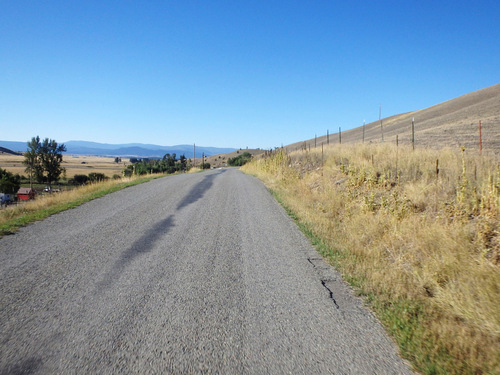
(233, 73)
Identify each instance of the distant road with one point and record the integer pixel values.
(198, 273)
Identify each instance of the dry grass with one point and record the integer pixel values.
(74, 164)
(422, 245)
(18, 215)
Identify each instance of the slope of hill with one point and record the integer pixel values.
(4, 150)
(220, 160)
(453, 123)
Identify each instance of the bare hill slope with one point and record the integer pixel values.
(453, 123)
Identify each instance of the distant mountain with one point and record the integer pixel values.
(126, 150)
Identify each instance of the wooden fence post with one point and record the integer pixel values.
(480, 139)
(413, 133)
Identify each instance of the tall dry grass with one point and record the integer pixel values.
(416, 232)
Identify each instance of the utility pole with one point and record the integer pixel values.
(194, 154)
(327, 137)
(340, 135)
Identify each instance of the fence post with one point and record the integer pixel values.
(480, 139)
(413, 133)
(380, 119)
(397, 154)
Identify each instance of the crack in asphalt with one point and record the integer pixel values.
(323, 282)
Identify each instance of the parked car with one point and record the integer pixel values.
(47, 189)
(5, 199)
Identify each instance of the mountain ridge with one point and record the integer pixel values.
(125, 150)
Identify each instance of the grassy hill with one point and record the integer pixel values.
(453, 123)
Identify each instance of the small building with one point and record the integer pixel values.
(25, 194)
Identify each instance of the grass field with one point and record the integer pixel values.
(416, 233)
(15, 216)
(74, 164)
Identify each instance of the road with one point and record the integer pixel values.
(193, 273)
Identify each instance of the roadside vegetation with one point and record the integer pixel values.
(43, 164)
(168, 164)
(15, 216)
(416, 233)
(240, 160)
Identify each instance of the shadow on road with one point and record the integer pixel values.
(147, 241)
(198, 190)
(142, 245)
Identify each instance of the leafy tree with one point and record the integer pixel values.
(168, 164)
(43, 159)
(183, 163)
(128, 171)
(240, 160)
(9, 182)
(33, 160)
(97, 177)
(80, 179)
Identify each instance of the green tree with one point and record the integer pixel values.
(43, 160)
(33, 160)
(80, 179)
(240, 160)
(182, 163)
(97, 177)
(9, 183)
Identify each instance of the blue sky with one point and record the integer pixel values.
(233, 73)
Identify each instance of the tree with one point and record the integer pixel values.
(9, 183)
(183, 162)
(80, 179)
(240, 160)
(97, 177)
(33, 160)
(205, 166)
(43, 159)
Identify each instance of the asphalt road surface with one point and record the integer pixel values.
(198, 273)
